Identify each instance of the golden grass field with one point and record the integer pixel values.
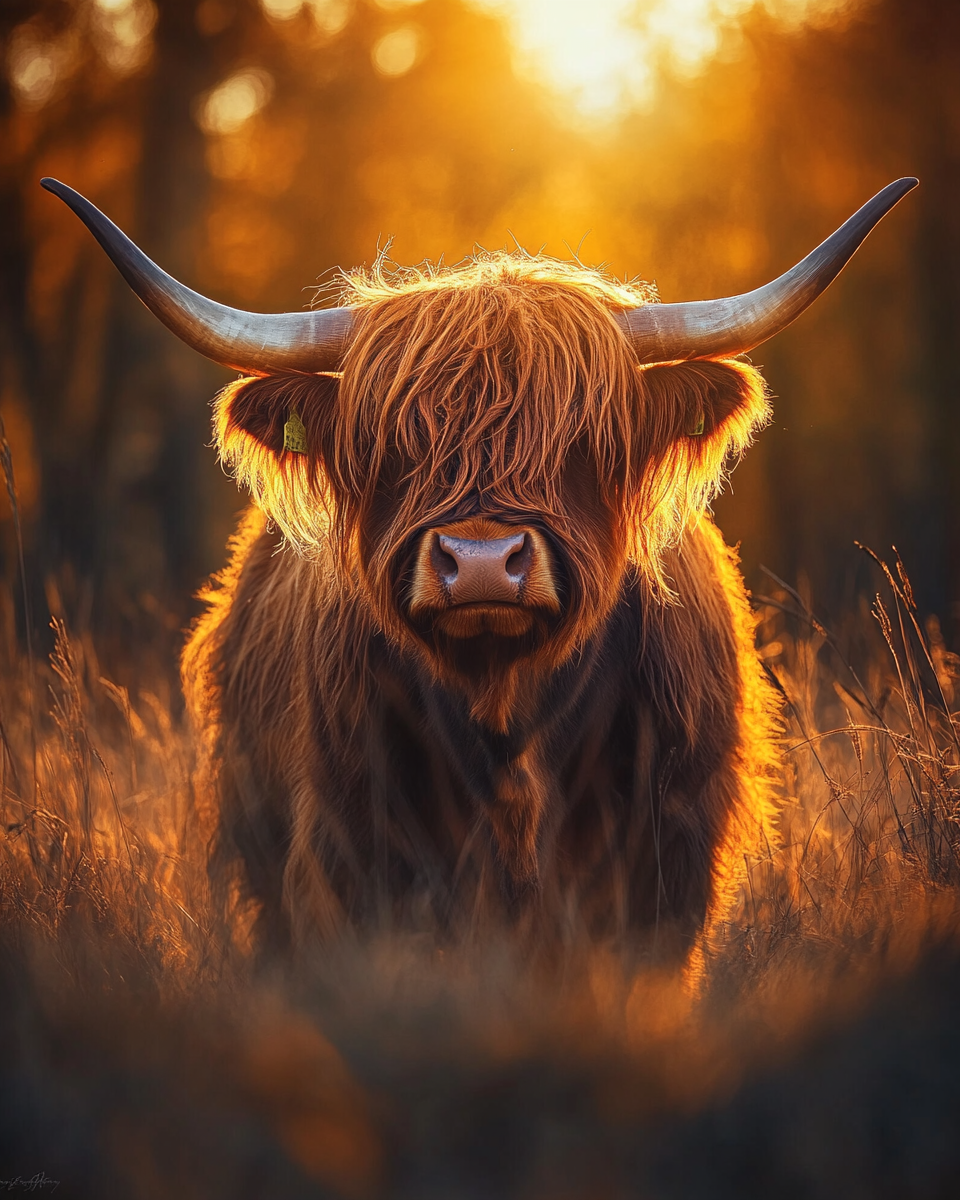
(146, 1055)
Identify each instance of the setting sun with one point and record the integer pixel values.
(604, 54)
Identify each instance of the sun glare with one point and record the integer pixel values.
(604, 53)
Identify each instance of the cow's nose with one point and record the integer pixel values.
(477, 572)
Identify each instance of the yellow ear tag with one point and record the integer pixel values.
(294, 435)
(697, 430)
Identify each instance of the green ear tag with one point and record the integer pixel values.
(294, 435)
(697, 430)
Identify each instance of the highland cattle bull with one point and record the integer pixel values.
(501, 660)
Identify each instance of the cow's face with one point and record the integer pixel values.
(492, 459)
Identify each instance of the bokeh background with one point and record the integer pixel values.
(252, 146)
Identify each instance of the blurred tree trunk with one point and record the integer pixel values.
(21, 379)
(931, 31)
(156, 419)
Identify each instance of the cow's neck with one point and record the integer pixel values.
(508, 740)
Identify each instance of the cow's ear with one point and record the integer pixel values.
(283, 415)
(271, 435)
(710, 408)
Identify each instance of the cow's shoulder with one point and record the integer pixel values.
(697, 660)
(268, 615)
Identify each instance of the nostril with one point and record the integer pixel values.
(443, 563)
(518, 564)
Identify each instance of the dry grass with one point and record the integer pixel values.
(869, 823)
(144, 1055)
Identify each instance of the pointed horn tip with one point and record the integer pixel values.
(904, 185)
(62, 191)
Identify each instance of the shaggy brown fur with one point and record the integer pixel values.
(612, 766)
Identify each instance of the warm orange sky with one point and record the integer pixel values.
(601, 53)
(598, 55)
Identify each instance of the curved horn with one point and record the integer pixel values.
(721, 328)
(255, 343)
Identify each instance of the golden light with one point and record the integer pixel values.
(330, 16)
(396, 52)
(281, 10)
(234, 101)
(33, 71)
(122, 31)
(603, 53)
(37, 64)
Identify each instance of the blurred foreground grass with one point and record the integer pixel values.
(143, 1055)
